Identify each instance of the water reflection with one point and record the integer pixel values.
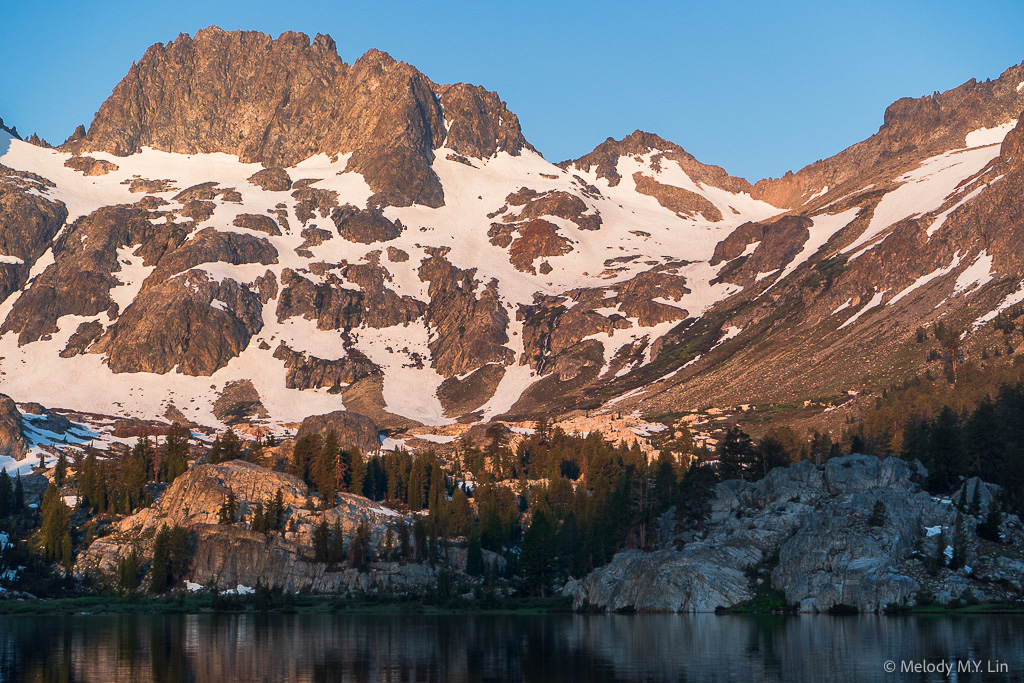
(562, 648)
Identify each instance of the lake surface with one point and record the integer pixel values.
(561, 648)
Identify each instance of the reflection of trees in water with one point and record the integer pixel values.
(561, 648)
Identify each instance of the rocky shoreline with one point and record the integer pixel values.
(807, 531)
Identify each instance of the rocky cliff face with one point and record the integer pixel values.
(807, 530)
(29, 219)
(227, 555)
(12, 438)
(280, 101)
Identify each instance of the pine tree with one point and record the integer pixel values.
(359, 551)
(403, 539)
(176, 449)
(474, 554)
(770, 453)
(735, 454)
(56, 525)
(693, 503)
(419, 535)
(161, 568)
(358, 476)
(60, 473)
(19, 495)
(947, 456)
(278, 510)
(336, 548)
(821, 447)
(437, 496)
(132, 475)
(91, 484)
(67, 559)
(976, 499)
(6, 494)
(959, 558)
(460, 513)
(228, 509)
(389, 543)
(128, 571)
(259, 519)
(418, 483)
(989, 527)
(538, 553)
(325, 471)
(304, 454)
(321, 540)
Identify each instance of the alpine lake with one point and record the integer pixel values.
(510, 647)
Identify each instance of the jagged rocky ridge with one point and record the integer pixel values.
(807, 530)
(244, 208)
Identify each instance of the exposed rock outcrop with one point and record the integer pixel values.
(88, 166)
(283, 100)
(12, 439)
(226, 555)
(210, 245)
(272, 180)
(239, 400)
(480, 123)
(364, 225)
(605, 158)
(86, 260)
(682, 201)
(817, 521)
(352, 429)
(912, 128)
(335, 307)
(28, 222)
(305, 371)
(189, 322)
(471, 328)
(257, 222)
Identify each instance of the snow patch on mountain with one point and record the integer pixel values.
(822, 228)
(875, 301)
(922, 191)
(989, 136)
(925, 279)
(1014, 297)
(975, 275)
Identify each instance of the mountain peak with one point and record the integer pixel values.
(605, 158)
(280, 101)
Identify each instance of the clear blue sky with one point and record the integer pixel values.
(758, 87)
